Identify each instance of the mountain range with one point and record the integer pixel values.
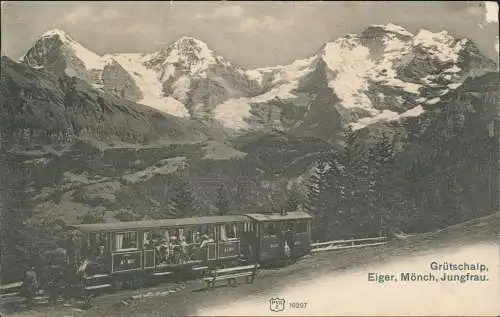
(116, 133)
(383, 73)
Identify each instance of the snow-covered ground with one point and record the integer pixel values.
(387, 115)
(351, 294)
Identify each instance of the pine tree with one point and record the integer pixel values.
(319, 198)
(347, 184)
(315, 185)
(222, 201)
(383, 159)
(183, 202)
(353, 173)
(352, 152)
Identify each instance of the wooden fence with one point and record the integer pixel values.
(347, 244)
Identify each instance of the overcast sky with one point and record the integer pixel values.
(253, 34)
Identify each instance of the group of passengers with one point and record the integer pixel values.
(175, 249)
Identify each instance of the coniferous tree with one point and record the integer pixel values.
(315, 185)
(353, 176)
(183, 202)
(323, 195)
(352, 153)
(383, 159)
(222, 201)
(347, 183)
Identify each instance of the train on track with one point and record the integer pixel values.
(130, 254)
(135, 249)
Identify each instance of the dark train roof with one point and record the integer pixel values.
(275, 217)
(144, 224)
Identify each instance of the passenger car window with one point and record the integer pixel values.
(126, 240)
(232, 231)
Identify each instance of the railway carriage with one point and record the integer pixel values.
(281, 236)
(160, 247)
(127, 254)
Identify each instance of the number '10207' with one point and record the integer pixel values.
(297, 304)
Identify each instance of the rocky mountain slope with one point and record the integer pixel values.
(381, 74)
(46, 105)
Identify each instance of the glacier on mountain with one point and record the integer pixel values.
(381, 72)
(149, 84)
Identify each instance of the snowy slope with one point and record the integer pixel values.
(90, 59)
(188, 54)
(285, 79)
(385, 72)
(148, 82)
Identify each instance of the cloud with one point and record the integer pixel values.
(132, 28)
(80, 13)
(222, 12)
(110, 14)
(244, 22)
(491, 15)
(85, 13)
(267, 23)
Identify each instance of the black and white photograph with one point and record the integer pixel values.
(249, 158)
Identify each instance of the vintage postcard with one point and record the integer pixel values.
(238, 158)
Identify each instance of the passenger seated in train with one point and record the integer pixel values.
(148, 241)
(231, 233)
(185, 252)
(206, 240)
(162, 251)
(197, 237)
(178, 246)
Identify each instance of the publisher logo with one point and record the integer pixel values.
(277, 304)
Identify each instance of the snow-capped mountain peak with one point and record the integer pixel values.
(55, 42)
(441, 45)
(393, 29)
(55, 32)
(187, 54)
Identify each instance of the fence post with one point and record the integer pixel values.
(352, 242)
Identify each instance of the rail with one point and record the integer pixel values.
(347, 244)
